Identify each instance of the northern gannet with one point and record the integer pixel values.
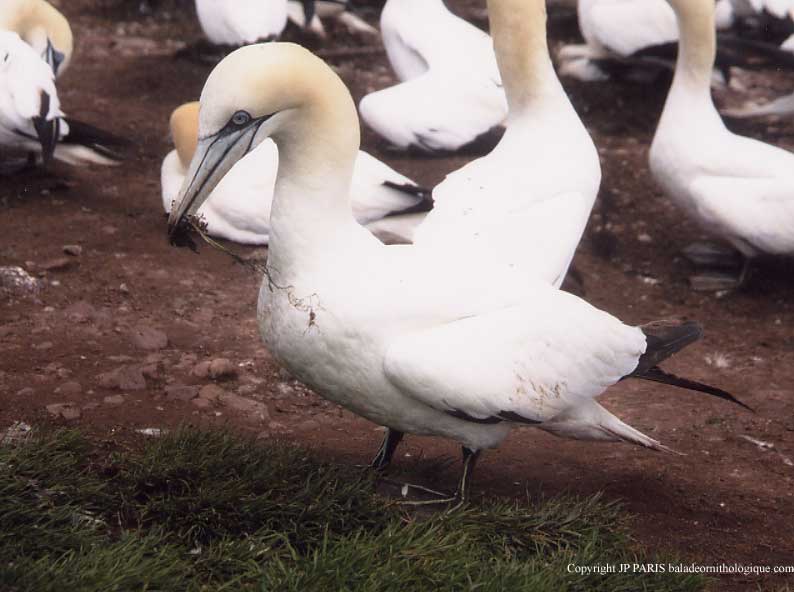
(31, 120)
(36, 46)
(449, 93)
(737, 188)
(239, 208)
(403, 335)
(526, 204)
(42, 27)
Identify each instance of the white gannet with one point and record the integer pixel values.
(315, 11)
(36, 45)
(31, 120)
(449, 93)
(42, 27)
(621, 31)
(405, 336)
(737, 188)
(239, 208)
(240, 22)
(526, 204)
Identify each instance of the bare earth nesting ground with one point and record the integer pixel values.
(128, 333)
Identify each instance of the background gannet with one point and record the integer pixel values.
(405, 336)
(42, 27)
(450, 91)
(737, 188)
(526, 203)
(31, 120)
(239, 208)
(239, 22)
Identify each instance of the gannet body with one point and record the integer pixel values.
(239, 208)
(737, 188)
(526, 204)
(450, 90)
(240, 22)
(406, 335)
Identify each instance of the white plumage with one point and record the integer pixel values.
(239, 22)
(450, 89)
(737, 188)
(526, 204)
(27, 91)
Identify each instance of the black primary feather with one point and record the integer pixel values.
(665, 338)
(102, 142)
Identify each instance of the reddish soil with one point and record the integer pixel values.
(727, 500)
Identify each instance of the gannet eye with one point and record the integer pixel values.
(241, 118)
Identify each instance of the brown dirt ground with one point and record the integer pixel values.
(727, 500)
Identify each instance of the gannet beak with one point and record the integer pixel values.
(53, 57)
(48, 131)
(214, 156)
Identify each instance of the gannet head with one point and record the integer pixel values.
(184, 131)
(42, 27)
(28, 99)
(278, 90)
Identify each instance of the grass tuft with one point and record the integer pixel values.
(211, 511)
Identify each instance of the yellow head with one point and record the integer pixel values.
(277, 90)
(184, 131)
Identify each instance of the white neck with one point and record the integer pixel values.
(311, 202)
(691, 88)
(518, 28)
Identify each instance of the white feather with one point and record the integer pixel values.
(240, 22)
(450, 91)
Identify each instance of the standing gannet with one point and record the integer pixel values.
(240, 22)
(406, 336)
(450, 92)
(42, 27)
(526, 204)
(239, 208)
(737, 188)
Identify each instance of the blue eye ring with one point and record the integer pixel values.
(241, 118)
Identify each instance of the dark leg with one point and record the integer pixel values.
(469, 462)
(383, 457)
(464, 487)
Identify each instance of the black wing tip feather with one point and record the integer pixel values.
(665, 338)
(656, 374)
(104, 142)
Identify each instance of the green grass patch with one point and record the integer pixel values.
(212, 511)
